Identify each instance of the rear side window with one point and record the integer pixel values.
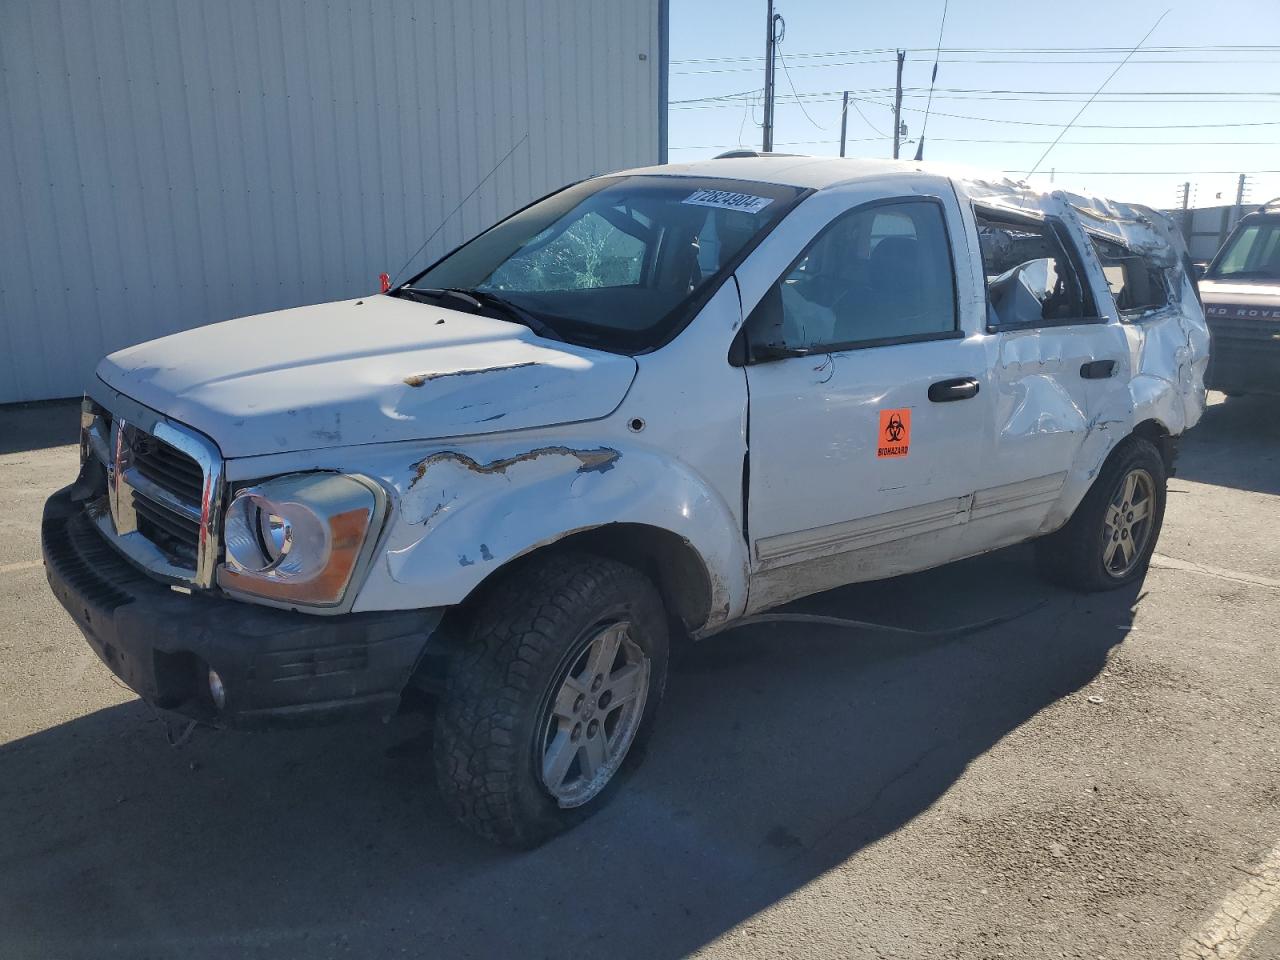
(1031, 278)
(1137, 283)
(876, 275)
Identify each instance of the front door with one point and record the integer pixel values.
(868, 400)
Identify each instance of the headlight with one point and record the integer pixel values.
(298, 538)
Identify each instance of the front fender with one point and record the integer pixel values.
(465, 511)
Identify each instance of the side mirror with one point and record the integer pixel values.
(1199, 270)
(775, 351)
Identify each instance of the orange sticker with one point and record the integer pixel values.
(895, 433)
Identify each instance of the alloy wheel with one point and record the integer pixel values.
(594, 716)
(1127, 526)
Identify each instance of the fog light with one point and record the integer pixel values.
(216, 689)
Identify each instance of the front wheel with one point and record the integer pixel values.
(549, 705)
(1109, 540)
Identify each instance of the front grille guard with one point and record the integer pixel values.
(105, 436)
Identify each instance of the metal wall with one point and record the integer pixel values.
(169, 163)
(1206, 228)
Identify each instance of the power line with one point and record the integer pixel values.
(1172, 48)
(1120, 143)
(921, 91)
(1119, 67)
(1111, 126)
(1097, 126)
(1030, 143)
(1024, 61)
(819, 98)
(937, 54)
(1154, 173)
(799, 102)
(722, 96)
(787, 143)
(853, 102)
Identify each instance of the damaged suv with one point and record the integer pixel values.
(643, 408)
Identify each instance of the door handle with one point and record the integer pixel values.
(961, 388)
(1098, 369)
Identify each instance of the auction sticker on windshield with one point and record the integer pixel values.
(728, 200)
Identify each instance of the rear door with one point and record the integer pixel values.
(1058, 362)
(869, 393)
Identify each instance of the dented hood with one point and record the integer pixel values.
(375, 370)
(1249, 299)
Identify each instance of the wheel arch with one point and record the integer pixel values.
(1159, 435)
(677, 570)
(673, 564)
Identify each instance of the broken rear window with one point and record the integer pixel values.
(1137, 283)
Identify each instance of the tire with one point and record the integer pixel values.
(520, 691)
(1089, 552)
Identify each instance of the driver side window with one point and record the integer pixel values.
(876, 275)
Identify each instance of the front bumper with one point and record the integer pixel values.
(279, 668)
(1244, 354)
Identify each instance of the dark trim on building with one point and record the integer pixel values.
(664, 73)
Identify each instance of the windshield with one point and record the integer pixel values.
(619, 262)
(1252, 253)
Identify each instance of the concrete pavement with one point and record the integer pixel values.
(1091, 780)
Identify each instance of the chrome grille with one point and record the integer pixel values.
(163, 492)
(169, 468)
(174, 533)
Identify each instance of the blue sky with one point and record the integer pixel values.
(1178, 88)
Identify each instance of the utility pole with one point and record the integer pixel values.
(897, 107)
(844, 121)
(769, 44)
(1240, 189)
(1238, 212)
(1185, 191)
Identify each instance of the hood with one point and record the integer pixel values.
(375, 370)
(1248, 299)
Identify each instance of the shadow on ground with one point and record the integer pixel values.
(783, 751)
(1236, 444)
(36, 426)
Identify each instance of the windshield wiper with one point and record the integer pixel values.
(482, 299)
(513, 311)
(441, 293)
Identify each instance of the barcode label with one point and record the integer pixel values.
(728, 201)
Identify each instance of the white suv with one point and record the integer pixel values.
(644, 407)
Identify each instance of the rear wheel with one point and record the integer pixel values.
(548, 707)
(1109, 540)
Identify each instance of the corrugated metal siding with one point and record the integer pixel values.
(169, 163)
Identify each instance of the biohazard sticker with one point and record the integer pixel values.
(895, 433)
